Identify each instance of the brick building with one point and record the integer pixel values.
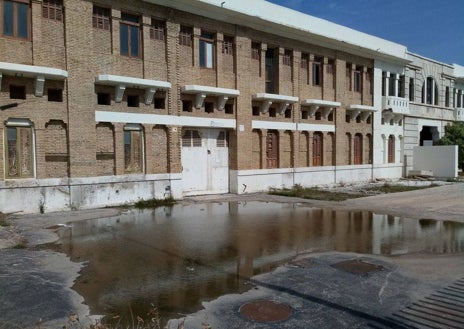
(108, 102)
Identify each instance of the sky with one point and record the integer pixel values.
(430, 28)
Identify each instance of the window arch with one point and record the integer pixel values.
(358, 149)
(317, 149)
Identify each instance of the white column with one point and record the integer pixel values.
(397, 76)
(455, 97)
(387, 83)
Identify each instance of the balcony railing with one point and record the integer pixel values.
(398, 105)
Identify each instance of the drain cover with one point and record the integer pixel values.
(265, 311)
(357, 267)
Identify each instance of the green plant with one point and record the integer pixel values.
(454, 135)
(155, 203)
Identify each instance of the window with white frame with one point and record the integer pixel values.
(19, 149)
(207, 50)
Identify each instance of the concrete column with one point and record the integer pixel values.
(396, 77)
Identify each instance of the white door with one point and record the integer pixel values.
(205, 161)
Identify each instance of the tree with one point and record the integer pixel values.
(454, 135)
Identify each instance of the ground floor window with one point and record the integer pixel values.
(19, 152)
(391, 149)
(358, 149)
(133, 150)
(272, 149)
(317, 149)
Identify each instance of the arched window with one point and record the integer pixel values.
(358, 148)
(317, 149)
(391, 149)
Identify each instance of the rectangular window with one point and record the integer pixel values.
(228, 45)
(317, 71)
(16, 19)
(133, 101)
(104, 99)
(19, 152)
(287, 59)
(160, 103)
(348, 77)
(207, 50)
(209, 107)
(357, 81)
(130, 35)
(304, 61)
(447, 97)
(101, 18)
(17, 92)
(255, 111)
(255, 50)
(185, 36)
(229, 108)
(186, 106)
(55, 95)
(411, 89)
(133, 151)
(52, 9)
(157, 29)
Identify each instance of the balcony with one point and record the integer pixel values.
(397, 105)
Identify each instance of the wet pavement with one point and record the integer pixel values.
(318, 292)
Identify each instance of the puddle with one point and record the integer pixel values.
(175, 258)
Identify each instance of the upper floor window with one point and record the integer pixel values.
(357, 79)
(52, 9)
(185, 36)
(430, 92)
(255, 50)
(348, 76)
(287, 59)
(304, 61)
(411, 90)
(130, 35)
(207, 50)
(157, 29)
(101, 18)
(16, 19)
(317, 71)
(228, 45)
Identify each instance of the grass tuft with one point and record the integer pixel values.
(155, 203)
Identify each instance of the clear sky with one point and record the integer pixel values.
(431, 28)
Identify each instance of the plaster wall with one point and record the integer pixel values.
(441, 160)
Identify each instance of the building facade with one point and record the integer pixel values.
(109, 102)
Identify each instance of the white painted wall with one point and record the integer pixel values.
(442, 160)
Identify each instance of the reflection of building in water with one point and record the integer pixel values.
(189, 253)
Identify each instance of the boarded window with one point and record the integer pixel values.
(358, 149)
(391, 149)
(160, 149)
(105, 149)
(191, 138)
(272, 149)
(19, 152)
(317, 149)
(304, 147)
(56, 149)
(256, 149)
(133, 151)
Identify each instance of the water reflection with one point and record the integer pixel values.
(177, 257)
